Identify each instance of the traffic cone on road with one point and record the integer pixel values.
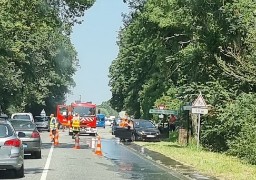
(98, 148)
(77, 145)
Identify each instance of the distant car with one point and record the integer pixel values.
(42, 122)
(145, 130)
(31, 138)
(100, 120)
(108, 122)
(11, 149)
(23, 116)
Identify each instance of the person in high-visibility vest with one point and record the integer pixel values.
(75, 125)
(53, 126)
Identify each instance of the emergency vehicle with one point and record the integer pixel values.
(86, 112)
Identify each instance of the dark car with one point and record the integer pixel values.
(31, 138)
(42, 122)
(144, 130)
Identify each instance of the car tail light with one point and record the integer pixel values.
(13, 142)
(35, 135)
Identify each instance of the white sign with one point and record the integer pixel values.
(161, 116)
(43, 113)
(199, 102)
(196, 110)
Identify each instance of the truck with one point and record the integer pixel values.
(86, 112)
(101, 120)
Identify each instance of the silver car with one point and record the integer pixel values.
(31, 138)
(11, 149)
(42, 122)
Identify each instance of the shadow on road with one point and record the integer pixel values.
(63, 145)
(10, 174)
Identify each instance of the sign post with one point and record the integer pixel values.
(199, 107)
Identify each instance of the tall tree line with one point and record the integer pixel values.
(37, 57)
(172, 49)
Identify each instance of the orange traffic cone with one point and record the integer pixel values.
(56, 142)
(98, 148)
(77, 146)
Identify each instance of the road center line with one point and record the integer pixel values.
(47, 164)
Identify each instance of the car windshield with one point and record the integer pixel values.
(84, 111)
(62, 109)
(5, 130)
(21, 116)
(19, 124)
(143, 124)
(41, 118)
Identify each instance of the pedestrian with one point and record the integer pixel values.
(172, 121)
(53, 126)
(76, 125)
(130, 124)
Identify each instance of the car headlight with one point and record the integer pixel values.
(141, 132)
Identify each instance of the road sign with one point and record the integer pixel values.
(199, 102)
(161, 116)
(43, 113)
(187, 108)
(161, 106)
(162, 111)
(197, 110)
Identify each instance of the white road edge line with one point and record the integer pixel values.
(47, 164)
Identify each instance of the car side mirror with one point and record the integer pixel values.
(21, 134)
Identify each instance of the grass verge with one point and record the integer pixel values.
(214, 164)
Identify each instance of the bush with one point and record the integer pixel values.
(234, 129)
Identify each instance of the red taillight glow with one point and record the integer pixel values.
(13, 142)
(35, 135)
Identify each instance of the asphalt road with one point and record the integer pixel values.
(64, 162)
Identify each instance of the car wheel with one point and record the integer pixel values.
(20, 172)
(38, 154)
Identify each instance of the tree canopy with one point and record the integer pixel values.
(37, 57)
(172, 49)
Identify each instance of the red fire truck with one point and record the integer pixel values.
(87, 113)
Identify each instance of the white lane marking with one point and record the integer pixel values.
(47, 164)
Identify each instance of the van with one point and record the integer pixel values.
(25, 116)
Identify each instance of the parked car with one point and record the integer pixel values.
(23, 116)
(144, 130)
(11, 149)
(31, 137)
(42, 122)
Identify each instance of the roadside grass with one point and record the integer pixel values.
(217, 165)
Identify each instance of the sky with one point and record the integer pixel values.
(95, 42)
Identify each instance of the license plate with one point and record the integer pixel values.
(151, 136)
(25, 146)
